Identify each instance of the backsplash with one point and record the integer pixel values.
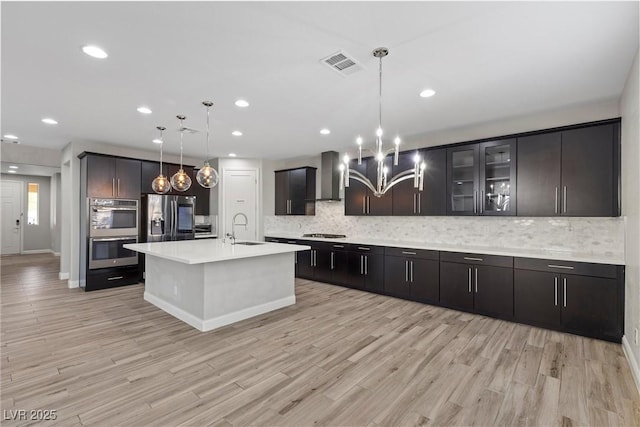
(598, 236)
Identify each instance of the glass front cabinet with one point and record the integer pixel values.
(482, 178)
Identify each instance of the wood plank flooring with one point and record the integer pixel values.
(339, 357)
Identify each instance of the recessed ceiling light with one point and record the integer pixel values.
(13, 167)
(325, 131)
(10, 136)
(94, 51)
(236, 133)
(144, 110)
(11, 171)
(49, 121)
(242, 103)
(427, 93)
(232, 154)
(157, 141)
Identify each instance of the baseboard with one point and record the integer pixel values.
(73, 284)
(633, 364)
(63, 276)
(179, 313)
(37, 251)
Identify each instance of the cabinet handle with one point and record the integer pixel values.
(564, 267)
(411, 265)
(564, 199)
(364, 204)
(115, 278)
(113, 187)
(368, 204)
(475, 202)
(118, 187)
(469, 279)
(419, 203)
(366, 265)
(338, 246)
(415, 197)
(476, 280)
(363, 248)
(295, 258)
(408, 253)
(406, 270)
(481, 201)
(555, 290)
(555, 203)
(361, 264)
(332, 265)
(468, 258)
(564, 291)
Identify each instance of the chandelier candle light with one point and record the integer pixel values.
(180, 181)
(207, 176)
(383, 184)
(161, 183)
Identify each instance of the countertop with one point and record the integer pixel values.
(559, 255)
(210, 250)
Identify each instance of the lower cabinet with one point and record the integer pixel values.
(366, 267)
(479, 283)
(412, 274)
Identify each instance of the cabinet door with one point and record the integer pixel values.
(282, 192)
(356, 277)
(537, 298)
(340, 267)
(203, 195)
(382, 205)
(101, 176)
(433, 199)
(539, 160)
(462, 180)
(322, 269)
(426, 280)
(373, 272)
(493, 288)
(355, 195)
(297, 191)
(148, 172)
(589, 306)
(304, 268)
(405, 196)
(497, 177)
(587, 171)
(128, 177)
(396, 276)
(456, 285)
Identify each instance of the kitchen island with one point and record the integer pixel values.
(209, 284)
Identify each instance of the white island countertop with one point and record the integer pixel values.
(210, 250)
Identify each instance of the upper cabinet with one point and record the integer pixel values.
(295, 191)
(150, 170)
(569, 173)
(481, 178)
(203, 195)
(113, 177)
(360, 200)
(408, 200)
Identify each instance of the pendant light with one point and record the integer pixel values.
(207, 176)
(161, 183)
(180, 181)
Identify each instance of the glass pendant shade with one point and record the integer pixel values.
(161, 184)
(180, 181)
(207, 176)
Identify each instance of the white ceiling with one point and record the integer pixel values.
(486, 60)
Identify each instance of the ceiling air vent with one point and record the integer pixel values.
(342, 63)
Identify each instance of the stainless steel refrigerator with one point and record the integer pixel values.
(166, 218)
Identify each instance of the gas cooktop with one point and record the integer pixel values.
(325, 235)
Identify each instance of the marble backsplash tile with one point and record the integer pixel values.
(589, 235)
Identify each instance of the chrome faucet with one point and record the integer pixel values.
(232, 236)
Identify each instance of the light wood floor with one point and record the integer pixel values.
(338, 357)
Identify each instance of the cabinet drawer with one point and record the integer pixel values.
(567, 267)
(274, 239)
(366, 249)
(479, 259)
(412, 253)
(112, 277)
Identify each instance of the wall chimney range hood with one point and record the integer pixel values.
(329, 177)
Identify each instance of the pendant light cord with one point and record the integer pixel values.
(181, 138)
(208, 133)
(161, 129)
(380, 98)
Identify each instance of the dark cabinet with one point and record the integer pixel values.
(150, 170)
(360, 200)
(408, 200)
(366, 267)
(570, 173)
(582, 304)
(411, 273)
(476, 285)
(295, 191)
(203, 195)
(481, 178)
(113, 177)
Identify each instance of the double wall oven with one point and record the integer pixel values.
(112, 224)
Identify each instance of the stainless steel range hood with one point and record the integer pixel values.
(330, 177)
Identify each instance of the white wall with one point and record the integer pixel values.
(55, 212)
(631, 210)
(35, 237)
(237, 163)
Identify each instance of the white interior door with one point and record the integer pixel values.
(11, 210)
(240, 197)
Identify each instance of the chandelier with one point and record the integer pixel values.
(207, 176)
(181, 181)
(383, 182)
(161, 183)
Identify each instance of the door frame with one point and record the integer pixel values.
(222, 212)
(21, 204)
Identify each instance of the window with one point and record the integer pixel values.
(32, 203)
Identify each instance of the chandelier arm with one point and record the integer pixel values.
(399, 178)
(354, 174)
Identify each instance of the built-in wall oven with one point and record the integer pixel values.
(112, 224)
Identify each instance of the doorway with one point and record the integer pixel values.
(240, 196)
(11, 211)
